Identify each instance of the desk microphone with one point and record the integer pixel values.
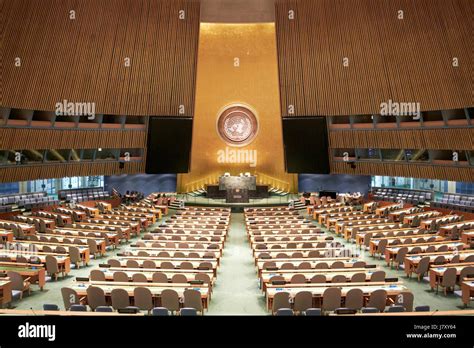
(34, 313)
(434, 313)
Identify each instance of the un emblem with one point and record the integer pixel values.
(237, 125)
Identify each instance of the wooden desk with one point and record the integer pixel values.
(411, 261)
(80, 214)
(426, 224)
(360, 236)
(89, 228)
(66, 219)
(5, 292)
(83, 250)
(393, 289)
(314, 237)
(348, 262)
(369, 206)
(467, 237)
(330, 252)
(93, 212)
(392, 251)
(155, 289)
(64, 262)
(176, 262)
(381, 210)
(111, 237)
(134, 227)
(410, 314)
(395, 215)
(340, 226)
(142, 221)
(444, 230)
(467, 289)
(150, 217)
(374, 242)
(36, 273)
(371, 227)
(27, 229)
(436, 273)
(155, 251)
(100, 241)
(266, 276)
(408, 219)
(6, 236)
(283, 232)
(148, 273)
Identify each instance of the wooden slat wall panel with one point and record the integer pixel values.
(33, 138)
(82, 60)
(463, 174)
(407, 60)
(434, 139)
(24, 173)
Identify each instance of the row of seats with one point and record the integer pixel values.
(455, 201)
(408, 196)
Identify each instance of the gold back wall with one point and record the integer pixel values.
(237, 64)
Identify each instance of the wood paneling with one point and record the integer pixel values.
(433, 139)
(82, 60)
(407, 60)
(405, 170)
(34, 138)
(24, 173)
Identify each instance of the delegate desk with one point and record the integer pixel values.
(285, 232)
(175, 262)
(411, 261)
(36, 273)
(68, 241)
(393, 289)
(392, 251)
(395, 215)
(65, 219)
(111, 237)
(130, 214)
(64, 262)
(350, 232)
(155, 289)
(343, 224)
(266, 276)
(79, 215)
(425, 238)
(83, 250)
(88, 229)
(401, 233)
(436, 273)
(387, 208)
(6, 236)
(331, 220)
(305, 252)
(151, 251)
(27, 229)
(134, 226)
(446, 229)
(90, 211)
(5, 291)
(290, 238)
(276, 264)
(467, 290)
(467, 237)
(183, 238)
(428, 223)
(142, 221)
(148, 273)
(408, 219)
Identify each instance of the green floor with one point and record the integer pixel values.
(236, 290)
